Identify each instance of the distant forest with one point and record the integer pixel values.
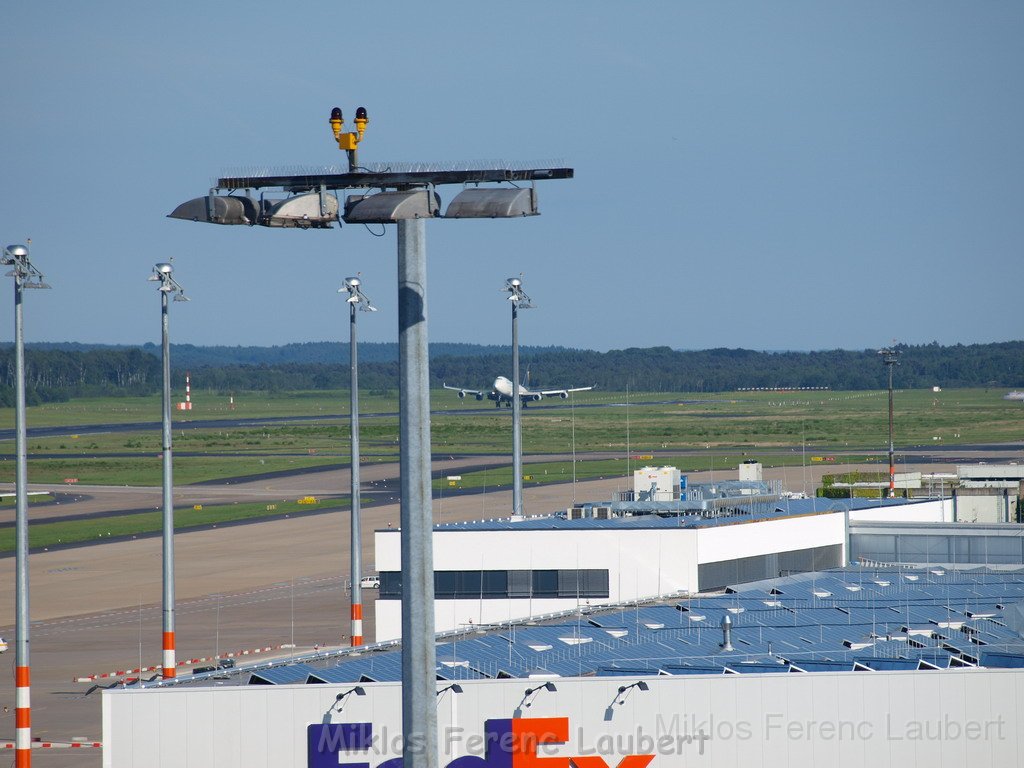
(60, 371)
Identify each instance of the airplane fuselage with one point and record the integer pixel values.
(501, 391)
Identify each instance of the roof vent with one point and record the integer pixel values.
(727, 633)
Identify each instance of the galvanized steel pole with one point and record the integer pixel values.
(23, 274)
(168, 286)
(355, 532)
(519, 300)
(22, 704)
(892, 458)
(169, 662)
(419, 705)
(517, 412)
(890, 356)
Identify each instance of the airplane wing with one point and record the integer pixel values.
(564, 393)
(463, 391)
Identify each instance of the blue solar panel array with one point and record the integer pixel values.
(842, 620)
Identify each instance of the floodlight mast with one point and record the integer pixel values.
(405, 198)
(356, 300)
(519, 300)
(25, 276)
(890, 357)
(168, 286)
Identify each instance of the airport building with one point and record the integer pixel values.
(849, 667)
(722, 626)
(708, 536)
(988, 493)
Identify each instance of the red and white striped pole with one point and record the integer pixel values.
(168, 285)
(22, 718)
(357, 624)
(187, 405)
(356, 300)
(25, 276)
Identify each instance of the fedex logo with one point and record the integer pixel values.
(508, 743)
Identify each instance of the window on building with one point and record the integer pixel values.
(476, 585)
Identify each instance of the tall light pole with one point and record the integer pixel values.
(404, 195)
(419, 698)
(25, 276)
(890, 357)
(519, 300)
(168, 285)
(357, 300)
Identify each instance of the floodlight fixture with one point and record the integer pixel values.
(640, 685)
(357, 690)
(514, 286)
(310, 210)
(454, 688)
(24, 272)
(356, 295)
(12, 252)
(548, 686)
(339, 700)
(493, 203)
(391, 206)
(162, 273)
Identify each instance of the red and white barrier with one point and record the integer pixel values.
(57, 745)
(184, 663)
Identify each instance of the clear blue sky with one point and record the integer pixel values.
(769, 175)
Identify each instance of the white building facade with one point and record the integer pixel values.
(494, 572)
(842, 719)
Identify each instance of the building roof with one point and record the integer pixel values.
(851, 619)
(660, 518)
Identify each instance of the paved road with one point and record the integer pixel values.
(380, 483)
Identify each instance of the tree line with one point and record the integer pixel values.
(54, 375)
(55, 372)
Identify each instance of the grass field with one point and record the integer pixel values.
(661, 424)
(838, 420)
(11, 501)
(247, 405)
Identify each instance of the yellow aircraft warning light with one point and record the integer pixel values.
(349, 142)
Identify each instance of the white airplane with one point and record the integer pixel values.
(501, 392)
(1014, 396)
